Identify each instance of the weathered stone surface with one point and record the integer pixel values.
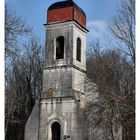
(70, 31)
(59, 80)
(32, 125)
(62, 110)
(64, 76)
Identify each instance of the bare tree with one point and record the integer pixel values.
(15, 31)
(23, 88)
(23, 74)
(112, 71)
(115, 104)
(124, 28)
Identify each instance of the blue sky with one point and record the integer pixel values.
(99, 15)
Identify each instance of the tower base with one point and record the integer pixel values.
(54, 119)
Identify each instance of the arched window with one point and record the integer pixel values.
(60, 47)
(78, 50)
(56, 130)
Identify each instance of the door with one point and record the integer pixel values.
(56, 131)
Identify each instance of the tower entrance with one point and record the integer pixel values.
(56, 130)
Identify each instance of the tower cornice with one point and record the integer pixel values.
(47, 25)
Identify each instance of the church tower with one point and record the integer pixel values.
(57, 115)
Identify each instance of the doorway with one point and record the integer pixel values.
(56, 131)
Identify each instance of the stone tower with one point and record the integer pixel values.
(57, 115)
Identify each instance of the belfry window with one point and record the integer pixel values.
(56, 130)
(60, 47)
(78, 50)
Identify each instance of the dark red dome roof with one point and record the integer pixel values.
(63, 4)
(66, 11)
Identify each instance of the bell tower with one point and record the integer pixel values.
(65, 58)
(64, 73)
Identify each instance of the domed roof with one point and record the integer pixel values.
(64, 4)
(65, 11)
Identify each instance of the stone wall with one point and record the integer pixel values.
(59, 80)
(70, 31)
(32, 125)
(64, 111)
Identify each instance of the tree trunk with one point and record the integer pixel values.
(112, 126)
(112, 134)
